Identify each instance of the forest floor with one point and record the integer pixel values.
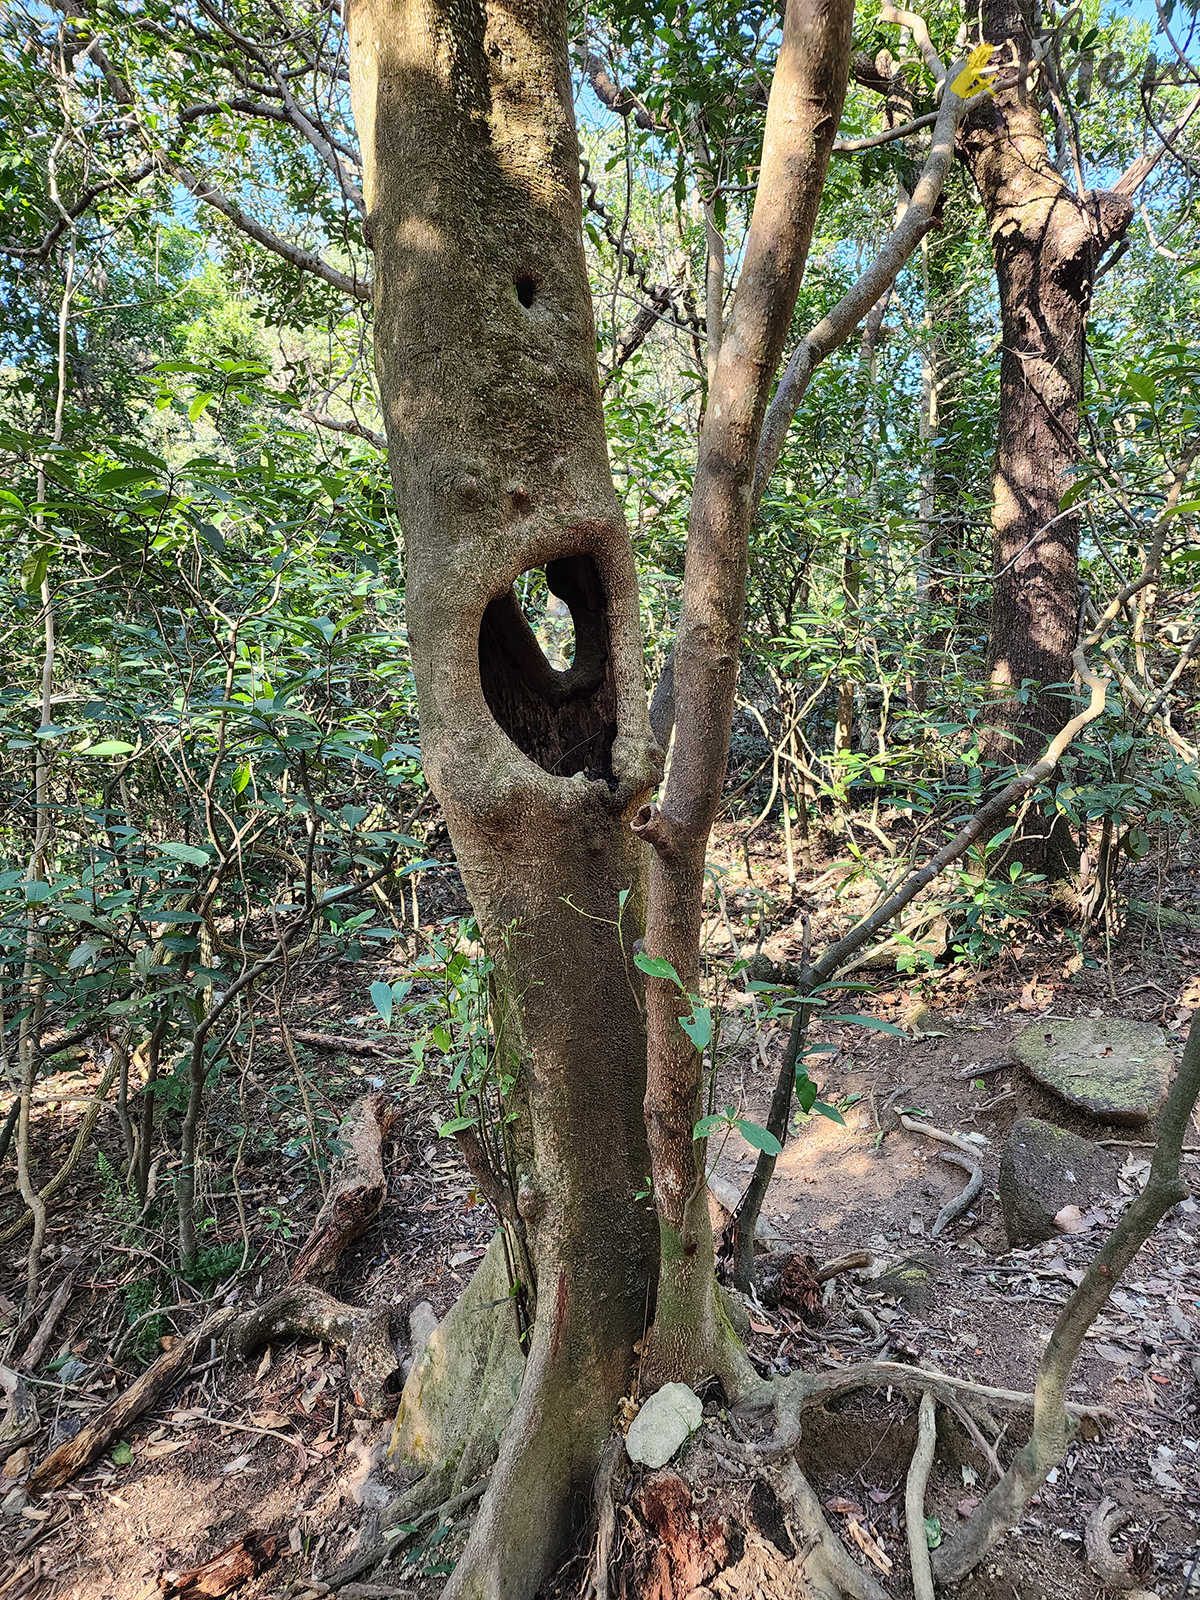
(273, 1457)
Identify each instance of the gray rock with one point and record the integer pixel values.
(912, 1282)
(1043, 1169)
(1112, 1068)
(663, 1424)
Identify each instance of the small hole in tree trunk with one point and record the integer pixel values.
(526, 289)
(545, 667)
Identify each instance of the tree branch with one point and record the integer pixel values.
(305, 260)
(834, 329)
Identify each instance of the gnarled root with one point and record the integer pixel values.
(827, 1564)
(1113, 1571)
(303, 1312)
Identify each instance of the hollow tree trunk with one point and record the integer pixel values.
(1047, 241)
(485, 352)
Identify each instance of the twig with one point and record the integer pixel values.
(914, 1499)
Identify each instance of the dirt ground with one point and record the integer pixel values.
(277, 1451)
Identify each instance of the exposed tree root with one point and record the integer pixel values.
(304, 1312)
(596, 1584)
(356, 1194)
(914, 1499)
(1113, 1571)
(61, 1465)
(460, 1391)
(828, 1565)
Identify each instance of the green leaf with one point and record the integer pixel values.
(36, 891)
(708, 1125)
(656, 967)
(109, 747)
(760, 1138)
(122, 1453)
(806, 1092)
(442, 1039)
(875, 1023)
(34, 569)
(1142, 385)
(699, 1026)
(455, 1125)
(933, 1532)
(824, 1109)
(122, 478)
(240, 778)
(381, 998)
(199, 406)
(185, 852)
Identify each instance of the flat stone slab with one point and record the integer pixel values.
(663, 1424)
(1043, 1169)
(1112, 1068)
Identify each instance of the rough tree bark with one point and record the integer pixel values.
(486, 358)
(1047, 241)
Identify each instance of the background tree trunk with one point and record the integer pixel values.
(1047, 241)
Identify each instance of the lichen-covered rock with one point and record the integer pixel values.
(912, 1282)
(1043, 1169)
(1113, 1068)
(662, 1425)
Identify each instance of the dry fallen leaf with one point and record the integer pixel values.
(264, 1366)
(1029, 1000)
(1069, 1220)
(844, 1507)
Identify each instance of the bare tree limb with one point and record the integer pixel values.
(841, 322)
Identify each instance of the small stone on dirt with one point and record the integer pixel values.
(663, 1424)
(1044, 1170)
(1113, 1068)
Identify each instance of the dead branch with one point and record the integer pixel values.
(61, 1465)
(356, 1194)
(302, 1311)
(38, 1345)
(953, 1209)
(336, 1041)
(914, 1499)
(840, 1264)
(1053, 1431)
(962, 1155)
(244, 1559)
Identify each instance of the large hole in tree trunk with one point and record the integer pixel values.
(555, 702)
